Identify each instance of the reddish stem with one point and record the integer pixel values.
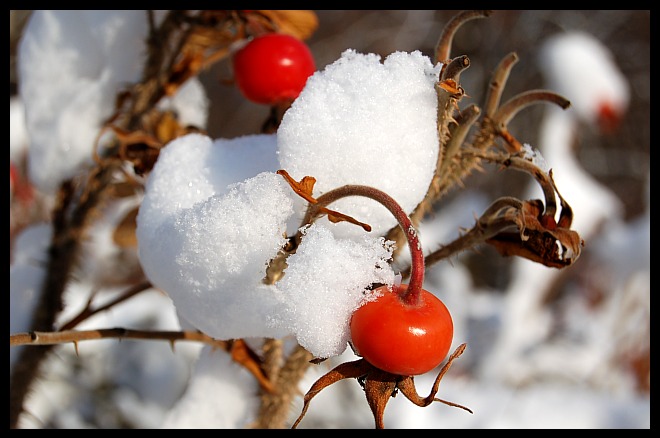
(411, 297)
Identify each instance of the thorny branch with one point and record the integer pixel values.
(75, 336)
(238, 349)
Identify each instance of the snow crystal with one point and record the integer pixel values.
(534, 155)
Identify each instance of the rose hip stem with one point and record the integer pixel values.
(411, 296)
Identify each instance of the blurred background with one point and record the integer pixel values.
(619, 161)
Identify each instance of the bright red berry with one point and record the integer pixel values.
(273, 68)
(400, 338)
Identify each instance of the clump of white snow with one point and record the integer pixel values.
(206, 240)
(216, 375)
(535, 157)
(363, 121)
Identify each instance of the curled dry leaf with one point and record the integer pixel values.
(304, 187)
(124, 234)
(539, 238)
(299, 23)
(242, 354)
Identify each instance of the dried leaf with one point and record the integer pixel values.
(186, 68)
(335, 216)
(242, 354)
(127, 138)
(379, 387)
(168, 128)
(124, 234)
(303, 188)
(124, 189)
(407, 385)
(299, 23)
(451, 87)
(550, 244)
(203, 38)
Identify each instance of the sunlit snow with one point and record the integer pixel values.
(215, 213)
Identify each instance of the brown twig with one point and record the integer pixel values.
(443, 46)
(489, 224)
(75, 336)
(498, 82)
(509, 109)
(455, 67)
(275, 406)
(88, 311)
(524, 164)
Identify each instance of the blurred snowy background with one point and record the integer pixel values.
(571, 350)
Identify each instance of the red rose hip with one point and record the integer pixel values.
(399, 338)
(272, 68)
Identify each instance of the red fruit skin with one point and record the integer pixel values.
(273, 68)
(402, 339)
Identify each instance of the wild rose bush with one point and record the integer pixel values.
(162, 207)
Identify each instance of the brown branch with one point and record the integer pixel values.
(70, 224)
(458, 136)
(75, 336)
(275, 406)
(498, 82)
(63, 253)
(87, 311)
(508, 110)
(444, 174)
(163, 44)
(491, 222)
